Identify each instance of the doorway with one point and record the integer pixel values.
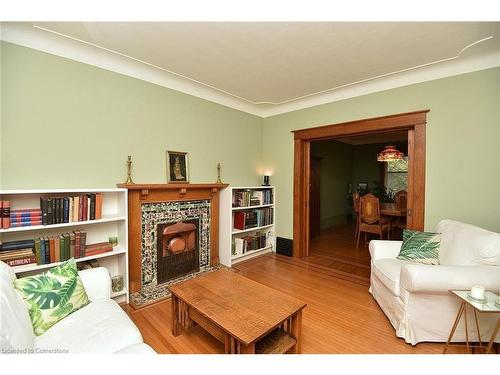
(413, 123)
(343, 170)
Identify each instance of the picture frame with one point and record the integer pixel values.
(177, 167)
(362, 186)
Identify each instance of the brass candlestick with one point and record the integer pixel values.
(218, 174)
(129, 171)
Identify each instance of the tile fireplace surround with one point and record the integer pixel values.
(153, 214)
(152, 205)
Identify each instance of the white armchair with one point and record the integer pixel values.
(415, 297)
(100, 327)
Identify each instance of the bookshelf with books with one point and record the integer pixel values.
(247, 223)
(34, 237)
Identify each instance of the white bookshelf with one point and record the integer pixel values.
(112, 223)
(227, 232)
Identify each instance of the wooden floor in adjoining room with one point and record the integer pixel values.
(340, 317)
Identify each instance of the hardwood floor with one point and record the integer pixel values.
(340, 317)
(335, 248)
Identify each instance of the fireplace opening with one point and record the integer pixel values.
(177, 249)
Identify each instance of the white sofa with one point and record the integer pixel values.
(100, 327)
(415, 297)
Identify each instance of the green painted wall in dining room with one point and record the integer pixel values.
(462, 144)
(69, 124)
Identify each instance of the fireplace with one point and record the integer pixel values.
(177, 249)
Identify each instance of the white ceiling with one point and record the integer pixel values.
(267, 65)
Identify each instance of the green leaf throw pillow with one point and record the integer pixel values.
(420, 247)
(53, 295)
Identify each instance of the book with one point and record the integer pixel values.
(85, 207)
(50, 211)
(239, 220)
(70, 211)
(65, 209)
(15, 245)
(83, 242)
(91, 206)
(42, 250)
(98, 206)
(1, 214)
(16, 254)
(5, 215)
(72, 245)
(37, 251)
(25, 224)
(47, 249)
(21, 262)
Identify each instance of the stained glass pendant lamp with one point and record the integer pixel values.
(390, 153)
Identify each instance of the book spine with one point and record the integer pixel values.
(47, 250)
(20, 262)
(42, 251)
(6, 214)
(98, 206)
(24, 216)
(72, 245)
(61, 210)
(17, 224)
(37, 251)
(22, 219)
(50, 211)
(92, 206)
(65, 202)
(16, 245)
(1, 214)
(80, 208)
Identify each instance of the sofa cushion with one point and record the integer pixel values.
(16, 331)
(420, 247)
(53, 295)
(100, 327)
(387, 270)
(464, 245)
(137, 349)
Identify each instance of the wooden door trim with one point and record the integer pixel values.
(414, 122)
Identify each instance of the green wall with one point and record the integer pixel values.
(462, 153)
(69, 124)
(335, 174)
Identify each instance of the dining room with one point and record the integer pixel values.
(357, 192)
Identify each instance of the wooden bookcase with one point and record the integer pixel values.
(227, 232)
(113, 223)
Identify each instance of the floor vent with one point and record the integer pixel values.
(284, 246)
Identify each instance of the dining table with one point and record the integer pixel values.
(390, 209)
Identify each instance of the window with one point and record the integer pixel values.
(396, 175)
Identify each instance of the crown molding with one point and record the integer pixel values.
(455, 67)
(26, 35)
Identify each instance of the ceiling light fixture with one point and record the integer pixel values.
(390, 153)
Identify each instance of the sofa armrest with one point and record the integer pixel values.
(440, 279)
(384, 249)
(97, 283)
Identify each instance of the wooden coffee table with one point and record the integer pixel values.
(246, 316)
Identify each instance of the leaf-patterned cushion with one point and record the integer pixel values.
(53, 295)
(420, 247)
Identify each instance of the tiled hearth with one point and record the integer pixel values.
(160, 213)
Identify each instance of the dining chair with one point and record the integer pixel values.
(370, 220)
(355, 208)
(400, 201)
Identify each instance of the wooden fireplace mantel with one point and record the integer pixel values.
(139, 194)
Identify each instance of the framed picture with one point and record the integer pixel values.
(362, 186)
(177, 167)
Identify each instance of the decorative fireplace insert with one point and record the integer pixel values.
(177, 249)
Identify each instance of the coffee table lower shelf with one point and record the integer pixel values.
(276, 342)
(283, 339)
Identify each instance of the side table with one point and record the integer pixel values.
(487, 307)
